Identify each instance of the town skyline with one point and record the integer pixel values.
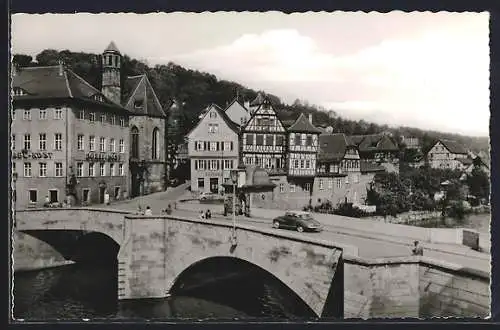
(365, 85)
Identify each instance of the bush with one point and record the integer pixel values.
(456, 210)
(348, 210)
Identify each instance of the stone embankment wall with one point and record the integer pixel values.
(413, 287)
(407, 216)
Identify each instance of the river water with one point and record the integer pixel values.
(80, 291)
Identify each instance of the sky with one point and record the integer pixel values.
(424, 70)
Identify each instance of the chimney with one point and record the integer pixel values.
(311, 118)
(61, 67)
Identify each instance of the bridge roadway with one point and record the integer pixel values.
(375, 246)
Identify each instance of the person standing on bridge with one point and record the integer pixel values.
(418, 250)
(148, 211)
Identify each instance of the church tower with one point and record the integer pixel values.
(111, 64)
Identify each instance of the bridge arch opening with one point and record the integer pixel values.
(243, 286)
(80, 246)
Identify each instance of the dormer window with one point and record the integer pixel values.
(98, 97)
(138, 104)
(213, 114)
(18, 91)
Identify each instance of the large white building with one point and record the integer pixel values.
(213, 149)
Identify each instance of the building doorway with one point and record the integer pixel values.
(53, 196)
(102, 191)
(214, 185)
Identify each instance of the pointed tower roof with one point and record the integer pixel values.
(112, 48)
(303, 125)
(259, 99)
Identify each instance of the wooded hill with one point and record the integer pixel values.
(194, 90)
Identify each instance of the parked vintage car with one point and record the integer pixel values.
(207, 196)
(297, 220)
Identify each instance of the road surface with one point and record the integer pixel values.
(369, 247)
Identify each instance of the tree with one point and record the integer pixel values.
(22, 60)
(479, 183)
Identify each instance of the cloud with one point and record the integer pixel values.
(435, 79)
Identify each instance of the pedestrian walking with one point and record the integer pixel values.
(208, 215)
(417, 249)
(148, 211)
(202, 215)
(139, 210)
(168, 210)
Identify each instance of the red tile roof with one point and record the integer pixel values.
(453, 147)
(57, 82)
(303, 125)
(143, 93)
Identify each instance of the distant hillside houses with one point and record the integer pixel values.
(447, 154)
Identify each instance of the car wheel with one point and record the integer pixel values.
(300, 229)
(276, 224)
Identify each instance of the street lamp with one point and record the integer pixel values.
(14, 198)
(234, 179)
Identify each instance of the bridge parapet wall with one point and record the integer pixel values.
(163, 247)
(107, 221)
(413, 287)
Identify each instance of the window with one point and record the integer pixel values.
(155, 144)
(213, 146)
(279, 140)
(231, 145)
(102, 169)
(228, 164)
(321, 184)
(103, 118)
(117, 192)
(309, 140)
(259, 139)
(292, 188)
(282, 187)
(134, 143)
(112, 145)
(297, 140)
(249, 139)
(347, 179)
(113, 120)
(122, 122)
(339, 183)
(80, 142)
(13, 142)
(307, 187)
(42, 114)
(330, 183)
(213, 114)
(213, 128)
(59, 169)
(92, 116)
(27, 141)
(58, 141)
(42, 170)
(57, 113)
(32, 195)
(121, 169)
(122, 146)
(91, 169)
(269, 140)
(81, 114)
(53, 195)
(308, 163)
(201, 183)
(27, 170)
(27, 114)
(112, 169)
(79, 169)
(92, 143)
(102, 144)
(302, 163)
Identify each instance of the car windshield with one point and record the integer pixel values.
(305, 217)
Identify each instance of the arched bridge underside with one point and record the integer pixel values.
(155, 252)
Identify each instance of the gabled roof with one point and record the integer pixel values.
(233, 126)
(453, 146)
(259, 99)
(143, 100)
(332, 147)
(57, 82)
(235, 100)
(370, 167)
(374, 142)
(303, 125)
(112, 48)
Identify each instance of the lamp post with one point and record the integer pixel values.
(234, 179)
(14, 198)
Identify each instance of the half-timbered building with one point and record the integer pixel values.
(263, 140)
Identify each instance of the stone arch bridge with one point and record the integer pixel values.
(154, 251)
